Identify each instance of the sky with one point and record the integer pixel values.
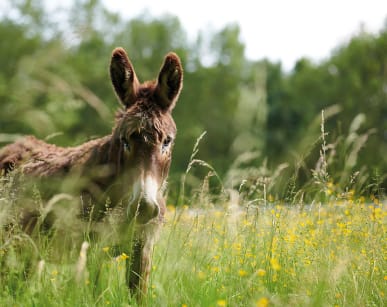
(280, 30)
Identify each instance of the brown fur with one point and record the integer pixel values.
(123, 168)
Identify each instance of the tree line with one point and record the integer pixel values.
(54, 84)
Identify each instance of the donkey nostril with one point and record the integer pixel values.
(149, 208)
(146, 211)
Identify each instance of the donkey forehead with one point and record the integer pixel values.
(148, 122)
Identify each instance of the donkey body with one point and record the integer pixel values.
(126, 169)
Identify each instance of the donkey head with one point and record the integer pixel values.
(143, 138)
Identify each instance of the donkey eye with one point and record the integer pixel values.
(167, 141)
(125, 144)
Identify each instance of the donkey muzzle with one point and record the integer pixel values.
(144, 205)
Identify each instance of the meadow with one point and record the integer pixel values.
(320, 244)
(274, 211)
(271, 254)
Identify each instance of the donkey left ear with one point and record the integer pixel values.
(169, 82)
(123, 77)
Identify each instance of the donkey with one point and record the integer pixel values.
(126, 169)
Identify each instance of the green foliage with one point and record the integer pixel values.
(54, 84)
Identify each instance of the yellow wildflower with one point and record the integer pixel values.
(122, 257)
(221, 303)
(275, 264)
(261, 272)
(242, 273)
(171, 208)
(262, 302)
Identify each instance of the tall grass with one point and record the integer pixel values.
(322, 255)
(317, 256)
(263, 239)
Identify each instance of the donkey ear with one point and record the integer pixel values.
(123, 77)
(169, 82)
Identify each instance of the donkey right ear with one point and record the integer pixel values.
(123, 77)
(170, 82)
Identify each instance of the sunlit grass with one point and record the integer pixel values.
(332, 254)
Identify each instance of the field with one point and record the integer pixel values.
(323, 254)
(284, 205)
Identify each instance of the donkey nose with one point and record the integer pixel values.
(143, 210)
(146, 211)
(144, 205)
